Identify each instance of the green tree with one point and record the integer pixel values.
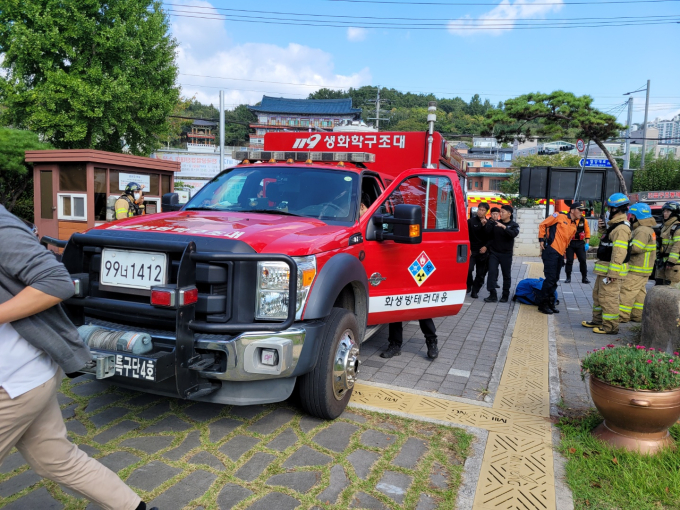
(89, 73)
(555, 115)
(658, 175)
(15, 174)
(236, 128)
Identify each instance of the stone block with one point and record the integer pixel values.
(661, 319)
(182, 493)
(231, 495)
(37, 499)
(151, 475)
(254, 467)
(337, 483)
(336, 437)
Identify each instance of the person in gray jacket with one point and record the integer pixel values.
(39, 343)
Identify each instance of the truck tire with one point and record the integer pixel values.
(325, 391)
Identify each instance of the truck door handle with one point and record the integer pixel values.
(462, 254)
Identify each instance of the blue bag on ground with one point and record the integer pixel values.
(528, 291)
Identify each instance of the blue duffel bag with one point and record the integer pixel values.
(528, 291)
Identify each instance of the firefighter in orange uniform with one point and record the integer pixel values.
(555, 233)
(579, 246)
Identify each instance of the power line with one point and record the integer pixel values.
(410, 19)
(463, 27)
(605, 2)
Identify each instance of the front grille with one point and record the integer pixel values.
(212, 282)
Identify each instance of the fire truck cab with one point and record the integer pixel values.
(270, 277)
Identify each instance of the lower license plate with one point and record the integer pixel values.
(133, 269)
(135, 368)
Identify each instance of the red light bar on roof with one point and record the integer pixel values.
(302, 156)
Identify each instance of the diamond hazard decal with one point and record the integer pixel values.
(421, 269)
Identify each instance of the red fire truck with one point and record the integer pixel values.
(269, 278)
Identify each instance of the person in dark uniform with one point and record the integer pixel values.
(479, 252)
(503, 233)
(395, 339)
(579, 245)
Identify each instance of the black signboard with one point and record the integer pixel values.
(560, 183)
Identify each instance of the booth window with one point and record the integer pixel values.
(72, 177)
(165, 184)
(100, 194)
(153, 185)
(71, 206)
(46, 196)
(113, 182)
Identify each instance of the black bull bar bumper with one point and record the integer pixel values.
(190, 363)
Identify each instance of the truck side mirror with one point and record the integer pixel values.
(170, 202)
(407, 221)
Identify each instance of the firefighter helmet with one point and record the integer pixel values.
(640, 211)
(673, 207)
(617, 200)
(131, 188)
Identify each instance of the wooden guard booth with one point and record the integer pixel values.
(75, 189)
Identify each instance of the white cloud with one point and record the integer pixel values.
(294, 66)
(503, 17)
(356, 34)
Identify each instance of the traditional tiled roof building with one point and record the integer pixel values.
(282, 114)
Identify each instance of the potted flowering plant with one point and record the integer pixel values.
(637, 390)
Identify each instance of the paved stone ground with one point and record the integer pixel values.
(574, 341)
(177, 454)
(468, 347)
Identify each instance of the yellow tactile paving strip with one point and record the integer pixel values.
(517, 468)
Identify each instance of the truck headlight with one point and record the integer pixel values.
(272, 287)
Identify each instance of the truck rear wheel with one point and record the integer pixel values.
(326, 390)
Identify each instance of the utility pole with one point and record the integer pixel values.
(377, 101)
(644, 130)
(626, 160)
(221, 130)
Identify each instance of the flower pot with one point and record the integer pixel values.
(635, 420)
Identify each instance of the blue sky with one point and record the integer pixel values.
(604, 62)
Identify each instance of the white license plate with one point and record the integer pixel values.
(135, 368)
(133, 269)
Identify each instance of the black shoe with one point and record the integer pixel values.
(551, 305)
(568, 280)
(544, 308)
(392, 350)
(493, 298)
(585, 280)
(432, 351)
(474, 294)
(504, 298)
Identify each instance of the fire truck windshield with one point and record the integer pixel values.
(328, 195)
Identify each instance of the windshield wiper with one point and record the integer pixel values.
(273, 211)
(204, 208)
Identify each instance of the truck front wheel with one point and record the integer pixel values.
(326, 390)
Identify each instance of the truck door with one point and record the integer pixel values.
(425, 280)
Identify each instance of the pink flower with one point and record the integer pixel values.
(611, 346)
(675, 372)
(671, 360)
(652, 349)
(676, 353)
(640, 347)
(649, 361)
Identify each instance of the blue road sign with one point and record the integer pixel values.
(591, 162)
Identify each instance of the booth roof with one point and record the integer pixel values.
(102, 158)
